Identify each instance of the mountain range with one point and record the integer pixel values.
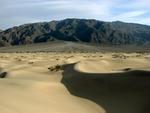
(77, 30)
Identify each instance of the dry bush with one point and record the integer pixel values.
(55, 68)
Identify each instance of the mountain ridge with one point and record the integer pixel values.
(77, 30)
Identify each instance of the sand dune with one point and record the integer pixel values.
(112, 66)
(116, 92)
(82, 83)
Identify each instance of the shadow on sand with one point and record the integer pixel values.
(127, 92)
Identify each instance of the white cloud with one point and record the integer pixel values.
(129, 15)
(142, 20)
(135, 4)
(16, 12)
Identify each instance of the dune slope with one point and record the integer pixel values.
(30, 87)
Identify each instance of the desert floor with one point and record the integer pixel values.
(74, 82)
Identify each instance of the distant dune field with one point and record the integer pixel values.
(66, 46)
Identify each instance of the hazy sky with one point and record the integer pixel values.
(17, 12)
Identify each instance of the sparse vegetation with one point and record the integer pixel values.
(55, 68)
(30, 62)
(119, 56)
(3, 74)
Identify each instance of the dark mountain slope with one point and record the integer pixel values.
(77, 30)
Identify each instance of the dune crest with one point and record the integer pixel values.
(112, 66)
